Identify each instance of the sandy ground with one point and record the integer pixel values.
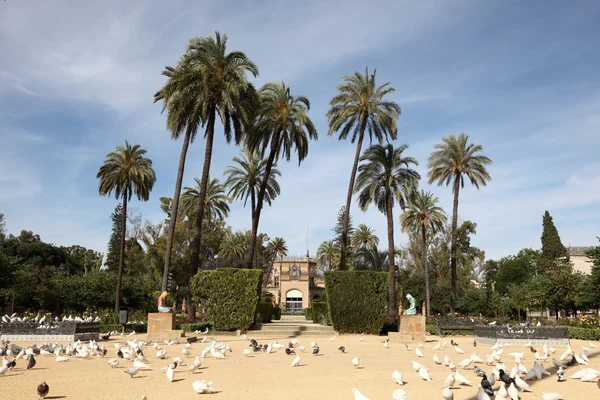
(270, 376)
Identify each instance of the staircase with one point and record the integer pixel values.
(290, 326)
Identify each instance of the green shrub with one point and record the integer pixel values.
(276, 313)
(320, 309)
(308, 313)
(264, 312)
(357, 300)
(197, 326)
(584, 333)
(229, 296)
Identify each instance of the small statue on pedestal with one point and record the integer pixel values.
(162, 301)
(412, 310)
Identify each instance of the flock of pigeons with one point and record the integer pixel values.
(45, 321)
(501, 382)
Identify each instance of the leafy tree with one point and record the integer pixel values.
(216, 203)
(114, 243)
(363, 237)
(559, 286)
(515, 270)
(424, 217)
(126, 171)
(338, 230)
(386, 177)
(359, 107)
(2, 225)
(594, 280)
(232, 247)
(454, 159)
(326, 254)
(282, 125)
(552, 248)
(375, 259)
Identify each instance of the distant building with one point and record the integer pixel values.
(581, 262)
(294, 283)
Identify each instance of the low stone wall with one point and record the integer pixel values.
(520, 335)
(52, 332)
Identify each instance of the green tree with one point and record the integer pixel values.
(244, 179)
(386, 177)
(515, 270)
(374, 259)
(426, 219)
(114, 243)
(338, 230)
(360, 106)
(215, 83)
(276, 248)
(126, 172)
(2, 225)
(326, 254)
(216, 202)
(594, 255)
(552, 247)
(232, 247)
(454, 160)
(282, 126)
(363, 236)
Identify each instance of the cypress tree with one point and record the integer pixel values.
(552, 247)
(337, 230)
(114, 243)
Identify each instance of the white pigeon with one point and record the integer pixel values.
(482, 395)
(358, 395)
(386, 344)
(592, 345)
(418, 352)
(362, 338)
(521, 384)
(551, 396)
(247, 352)
(301, 349)
(458, 350)
(399, 394)
(203, 387)
(476, 358)
(185, 352)
(131, 371)
(579, 359)
(113, 363)
(333, 338)
(162, 354)
(461, 379)
(3, 369)
(62, 359)
(416, 366)
(140, 365)
(421, 345)
(170, 374)
(296, 361)
(278, 346)
(397, 376)
(566, 354)
(465, 363)
(437, 346)
(424, 373)
(450, 381)
(313, 344)
(447, 393)
(517, 355)
(192, 368)
(446, 360)
(356, 362)
(436, 359)
(513, 392)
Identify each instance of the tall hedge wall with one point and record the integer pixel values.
(357, 300)
(228, 296)
(318, 310)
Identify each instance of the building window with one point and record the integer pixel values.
(312, 281)
(276, 281)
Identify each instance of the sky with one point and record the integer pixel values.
(520, 78)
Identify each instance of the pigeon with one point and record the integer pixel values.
(399, 394)
(474, 343)
(478, 371)
(356, 362)
(333, 338)
(505, 378)
(418, 352)
(558, 364)
(139, 365)
(453, 343)
(482, 394)
(465, 363)
(416, 366)
(450, 381)
(476, 358)
(461, 379)
(62, 359)
(42, 390)
(458, 350)
(247, 352)
(313, 344)
(113, 363)
(185, 352)
(397, 376)
(513, 392)
(296, 361)
(521, 384)
(421, 345)
(342, 349)
(532, 349)
(572, 362)
(551, 396)
(316, 351)
(424, 373)
(560, 375)
(289, 351)
(301, 349)
(447, 393)
(192, 368)
(3, 370)
(436, 359)
(132, 371)
(358, 395)
(487, 386)
(31, 362)
(170, 374)
(203, 387)
(362, 338)
(437, 346)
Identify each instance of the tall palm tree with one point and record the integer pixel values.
(455, 159)
(243, 180)
(282, 125)
(126, 171)
(213, 83)
(363, 236)
(375, 259)
(232, 247)
(216, 202)
(425, 218)
(384, 178)
(359, 107)
(326, 253)
(276, 248)
(181, 116)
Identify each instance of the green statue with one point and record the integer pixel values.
(412, 310)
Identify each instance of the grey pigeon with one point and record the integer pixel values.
(492, 379)
(478, 371)
(558, 364)
(131, 371)
(31, 362)
(316, 351)
(43, 389)
(342, 349)
(487, 385)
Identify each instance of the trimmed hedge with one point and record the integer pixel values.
(308, 313)
(318, 310)
(357, 300)
(584, 333)
(276, 313)
(265, 312)
(228, 296)
(139, 328)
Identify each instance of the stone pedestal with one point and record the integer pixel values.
(162, 326)
(412, 327)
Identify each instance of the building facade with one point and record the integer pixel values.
(295, 283)
(581, 262)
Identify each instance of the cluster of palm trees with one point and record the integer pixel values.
(271, 123)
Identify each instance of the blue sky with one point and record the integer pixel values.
(521, 78)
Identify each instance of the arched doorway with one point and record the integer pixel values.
(293, 301)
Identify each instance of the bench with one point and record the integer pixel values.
(454, 325)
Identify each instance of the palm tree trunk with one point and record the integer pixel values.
(453, 246)
(392, 309)
(195, 251)
(426, 269)
(175, 208)
(363, 125)
(121, 251)
(259, 201)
